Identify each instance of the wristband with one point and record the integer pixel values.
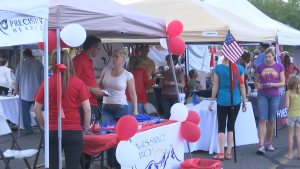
(90, 89)
(212, 101)
(93, 89)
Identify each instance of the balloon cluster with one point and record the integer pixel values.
(126, 153)
(175, 44)
(72, 35)
(190, 120)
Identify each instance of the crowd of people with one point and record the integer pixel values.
(125, 90)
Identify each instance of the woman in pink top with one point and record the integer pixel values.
(289, 68)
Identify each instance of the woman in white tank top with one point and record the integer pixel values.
(115, 80)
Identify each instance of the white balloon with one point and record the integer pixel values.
(127, 154)
(179, 112)
(73, 35)
(163, 43)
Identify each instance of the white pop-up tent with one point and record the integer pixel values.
(244, 9)
(203, 23)
(25, 22)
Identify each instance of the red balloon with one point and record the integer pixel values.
(52, 43)
(175, 28)
(126, 127)
(176, 45)
(193, 117)
(190, 131)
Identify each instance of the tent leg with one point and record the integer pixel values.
(59, 115)
(46, 96)
(20, 100)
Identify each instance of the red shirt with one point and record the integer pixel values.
(141, 83)
(290, 71)
(75, 91)
(84, 70)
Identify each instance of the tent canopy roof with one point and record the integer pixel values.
(198, 17)
(106, 19)
(38, 8)
(243, 8)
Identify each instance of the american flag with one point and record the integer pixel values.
(231, 49)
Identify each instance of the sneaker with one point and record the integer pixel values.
(269, 147)
(261, 150)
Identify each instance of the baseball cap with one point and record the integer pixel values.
(144, 45)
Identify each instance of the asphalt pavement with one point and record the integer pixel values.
(246, 156)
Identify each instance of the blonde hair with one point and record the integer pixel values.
(270, 50)
(67, 61)
(123, 52)
(134, 61)
(293, 85)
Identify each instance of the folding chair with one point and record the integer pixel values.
(15, 151)
(41, 144)
(149, 108)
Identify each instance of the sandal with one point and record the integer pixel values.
(228, 156)
(217, 157)
(286, 156)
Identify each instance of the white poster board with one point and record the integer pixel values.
(105, 57)
(159, 148)
(20, 29)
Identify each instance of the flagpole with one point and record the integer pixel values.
(232, 107)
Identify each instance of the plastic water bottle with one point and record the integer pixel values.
(195, 97)
(249, 89)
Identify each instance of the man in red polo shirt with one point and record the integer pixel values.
(84, 70)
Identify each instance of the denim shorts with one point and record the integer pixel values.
(291, 121)
(111, 113)
(267, 106)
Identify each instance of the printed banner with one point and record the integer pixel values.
(282, 113)
(159, 148)
(105, 57)
(21, 30)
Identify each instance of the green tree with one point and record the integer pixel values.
(285, 12)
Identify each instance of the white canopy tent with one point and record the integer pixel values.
(244, 9)
(24, 22)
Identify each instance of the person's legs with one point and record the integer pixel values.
(222, 112)
(152, 99)
(116, 112)
(53, 149)
(298, 135)
(130, 108)
(262, 109)
(166, 104)
(230, 127)
(72, 143)
(26, 105)
(141, 109)
(290, 122)
(273, 107)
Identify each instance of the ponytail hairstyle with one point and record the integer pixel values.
(67, 61)
(134, 61)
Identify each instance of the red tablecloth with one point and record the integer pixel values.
(95, 144)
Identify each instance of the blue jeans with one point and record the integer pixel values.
(167, 103)
(140, 107)
(267, 106)
(110, 114)
(26, 105)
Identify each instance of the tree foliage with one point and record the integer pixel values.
(285, 12)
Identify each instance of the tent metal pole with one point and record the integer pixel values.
(20, 100)
(174, 75)
(232, 108)
(46, 96)
(59, 115)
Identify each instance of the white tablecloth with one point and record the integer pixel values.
(161, 147)
(9, 109)
(245, 128)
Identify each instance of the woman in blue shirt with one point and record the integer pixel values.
(221, 89)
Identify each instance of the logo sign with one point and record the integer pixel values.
(210, 33)
(21, 30)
